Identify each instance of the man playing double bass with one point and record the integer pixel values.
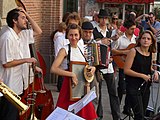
(15, 57)
(119, 48)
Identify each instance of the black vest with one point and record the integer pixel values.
(98, 34)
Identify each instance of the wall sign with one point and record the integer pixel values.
(127, 1)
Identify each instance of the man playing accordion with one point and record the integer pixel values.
(103, 34)
(87, 36)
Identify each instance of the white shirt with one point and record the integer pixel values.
(103, 32)
(95, 24)
(13, 46)
(75, 55)
(26, 39)
(123, 42)
(60, 42)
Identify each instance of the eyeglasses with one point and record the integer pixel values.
(114, 18)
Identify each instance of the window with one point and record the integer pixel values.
(70, 6)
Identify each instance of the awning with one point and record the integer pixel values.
(126, 1)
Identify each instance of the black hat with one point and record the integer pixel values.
(102, 13)
(87, 26)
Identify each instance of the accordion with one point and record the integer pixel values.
(98, 55)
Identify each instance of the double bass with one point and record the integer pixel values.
(37, 95)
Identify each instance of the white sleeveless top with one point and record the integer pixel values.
(75, 55)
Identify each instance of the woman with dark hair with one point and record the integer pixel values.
(139, 73)
(68, 53)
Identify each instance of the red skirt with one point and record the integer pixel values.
(88, 112)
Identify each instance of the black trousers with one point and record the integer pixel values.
(138, 101)
(8, 111)
(121, 84)
(113, 97)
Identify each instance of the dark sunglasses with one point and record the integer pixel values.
(114, 18)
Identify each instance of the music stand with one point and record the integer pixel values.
(130, 116)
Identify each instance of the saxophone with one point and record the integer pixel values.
(13, 98)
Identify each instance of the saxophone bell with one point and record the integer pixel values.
(11, 96)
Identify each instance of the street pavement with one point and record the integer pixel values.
(105, 100)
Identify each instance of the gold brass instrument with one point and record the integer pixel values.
(89, 78)
(87, 75)
(13, 97)
(88, 55)
(32, 96)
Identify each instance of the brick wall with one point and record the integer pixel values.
(82, 7)
(0, 13)
(47, 13)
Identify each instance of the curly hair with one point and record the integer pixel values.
(12, 15)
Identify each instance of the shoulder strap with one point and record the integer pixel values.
(69, 53)
(109, 32)
(83, 55)
(68, 56)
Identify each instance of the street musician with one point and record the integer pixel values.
(120, 48)
(72, 52)
(103, 34)
(87, 34)
(15, 57)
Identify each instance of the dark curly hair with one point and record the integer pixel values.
(129, 23)
(12, 15)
